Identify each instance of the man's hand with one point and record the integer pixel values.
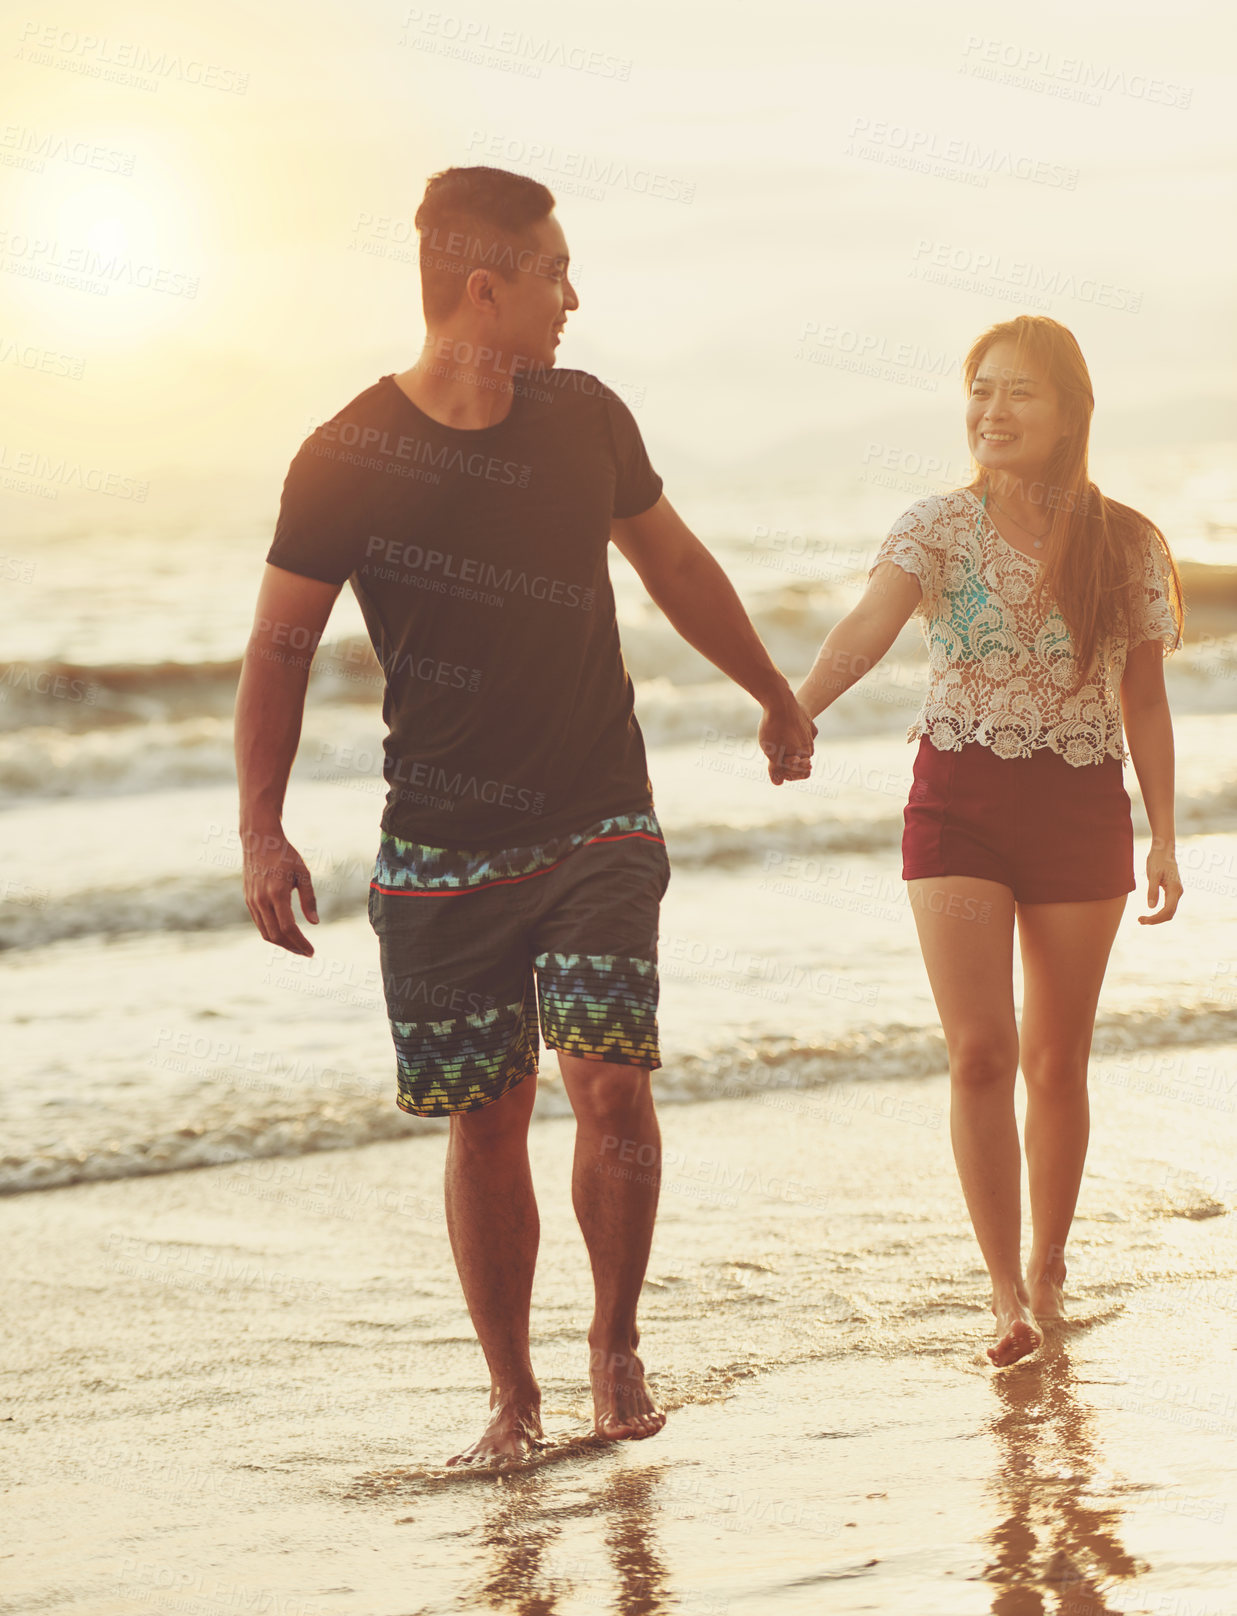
(785, 736)
(273, 870)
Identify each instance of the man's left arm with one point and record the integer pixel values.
(689, 585)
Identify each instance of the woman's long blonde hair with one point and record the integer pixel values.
(1093, 554)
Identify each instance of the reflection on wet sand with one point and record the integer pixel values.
(628, 1500)
(1057, 1552)
(523, 1523)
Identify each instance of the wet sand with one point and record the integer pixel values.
(232, 1389)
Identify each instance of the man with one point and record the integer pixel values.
(470, 501)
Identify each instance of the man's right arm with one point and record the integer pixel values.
(291, 614)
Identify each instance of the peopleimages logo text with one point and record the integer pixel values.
(374, 440)
(485, 574)
(404, 774)
(983, 57)
(934, 260)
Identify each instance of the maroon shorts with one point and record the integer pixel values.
(1050, 831)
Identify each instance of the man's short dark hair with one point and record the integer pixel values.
(473, 218)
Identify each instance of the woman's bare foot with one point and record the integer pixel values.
(1017, 1332)
(623, 1406)
(1047, 1288)
(514, 1433)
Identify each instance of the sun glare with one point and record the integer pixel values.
(112, 265)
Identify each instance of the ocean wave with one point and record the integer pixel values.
(827, 1080)
(80, 696)
(34, 917)
(212, 899)
(678, 690)
(76, 696)
(46, 762)
(164, 755)
(156, 752)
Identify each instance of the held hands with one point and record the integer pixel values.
(1162, 877)
(785, 737)
(273, 870)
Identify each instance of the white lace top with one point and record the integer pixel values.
(1000, 672)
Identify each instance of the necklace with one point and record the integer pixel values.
(1038, 542)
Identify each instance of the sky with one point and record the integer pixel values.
(787, 222)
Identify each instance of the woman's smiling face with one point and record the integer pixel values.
(1013, 416)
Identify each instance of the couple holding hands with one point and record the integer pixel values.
(470, 501)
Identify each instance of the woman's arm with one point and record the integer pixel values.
(1149, 736)
(861, 639)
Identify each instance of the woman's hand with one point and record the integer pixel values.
(1162, 879)
(785, 737)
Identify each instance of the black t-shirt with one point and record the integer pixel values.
(480, 559)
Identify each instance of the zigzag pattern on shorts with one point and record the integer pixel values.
(600, 1006)
(473, 1060)
(414, 867)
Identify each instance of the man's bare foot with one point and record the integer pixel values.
(623, 1406)
(513, 1434)
(1017, 1332)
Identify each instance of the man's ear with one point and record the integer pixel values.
(479, 287)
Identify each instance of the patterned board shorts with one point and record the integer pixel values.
(474, 945)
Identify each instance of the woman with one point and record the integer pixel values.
(1047, 609)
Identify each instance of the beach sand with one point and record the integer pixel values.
(233, 1388)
